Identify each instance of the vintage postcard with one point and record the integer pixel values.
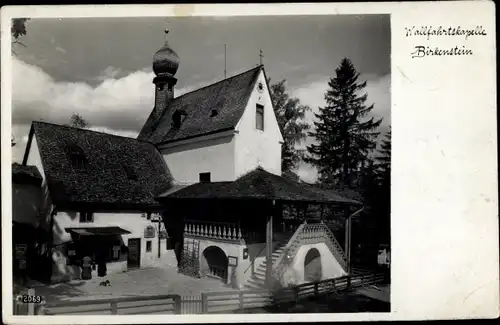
(249, 162)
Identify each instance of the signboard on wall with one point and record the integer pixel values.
(232, 260)
(149, 232)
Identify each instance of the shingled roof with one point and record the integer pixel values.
(228, 97)
(22, 174)
(258, 184)
(113, 172)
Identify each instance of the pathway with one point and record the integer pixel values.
(143, 282)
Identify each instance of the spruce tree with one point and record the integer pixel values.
(384, 159)
(384, 180)
(344, 134)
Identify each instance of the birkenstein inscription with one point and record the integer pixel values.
(431, 32)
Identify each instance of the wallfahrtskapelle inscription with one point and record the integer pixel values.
(428, 32)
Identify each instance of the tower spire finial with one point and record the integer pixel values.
(166, 34)
(261, 55)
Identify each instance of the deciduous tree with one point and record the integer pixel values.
(290, 114)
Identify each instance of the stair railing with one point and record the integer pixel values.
(253, 261)
(289, 251)
(336, 249)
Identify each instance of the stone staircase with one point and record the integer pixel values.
(258, 278)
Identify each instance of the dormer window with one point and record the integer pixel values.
(214, 113)
(76, 157)
(129, 171)
(178, 117)
(259, 117)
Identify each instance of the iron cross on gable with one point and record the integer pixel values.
(261, 55)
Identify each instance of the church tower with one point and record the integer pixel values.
(165, 65)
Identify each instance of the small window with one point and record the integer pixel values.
(204, 177)
(148, 216)
(259, 120)
(86, 217)
(76, 157)
(149, 246)
(178, 117)
(115, 252)
(129, 171)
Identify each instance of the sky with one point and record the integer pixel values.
(101, 68)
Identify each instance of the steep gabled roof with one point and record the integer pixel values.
(100, 176)
(259, 184)
(228, 97)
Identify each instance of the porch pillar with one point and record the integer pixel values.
(269, 246)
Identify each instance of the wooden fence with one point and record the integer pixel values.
(161, 304)
(191, 305)
(220, 302)
(213, 302)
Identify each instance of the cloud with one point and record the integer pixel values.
(60, 49)
(120, 102)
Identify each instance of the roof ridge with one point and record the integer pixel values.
(87, 130)
(220, 81)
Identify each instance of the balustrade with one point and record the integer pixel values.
(216, 230)
(216, 271)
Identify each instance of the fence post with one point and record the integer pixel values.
(204, 303)
(41, 308)
(114, 308)
(31, 305)
(348, 282)
(241, 300)
(316, 289)
(177, 303)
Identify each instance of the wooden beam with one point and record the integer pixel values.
(269, 245)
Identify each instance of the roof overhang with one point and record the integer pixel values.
(105, 207)
(97, 231)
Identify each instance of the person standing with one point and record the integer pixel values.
(86, 268)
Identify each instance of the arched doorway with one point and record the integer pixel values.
(312, 266)
(214, 263)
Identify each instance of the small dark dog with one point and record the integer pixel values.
(105, 283)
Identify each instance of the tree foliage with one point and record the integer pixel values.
(290, 114)
(384, 159)
(17, 30)
(344, 134)
(78, 122)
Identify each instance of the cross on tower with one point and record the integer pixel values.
(261, 55)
